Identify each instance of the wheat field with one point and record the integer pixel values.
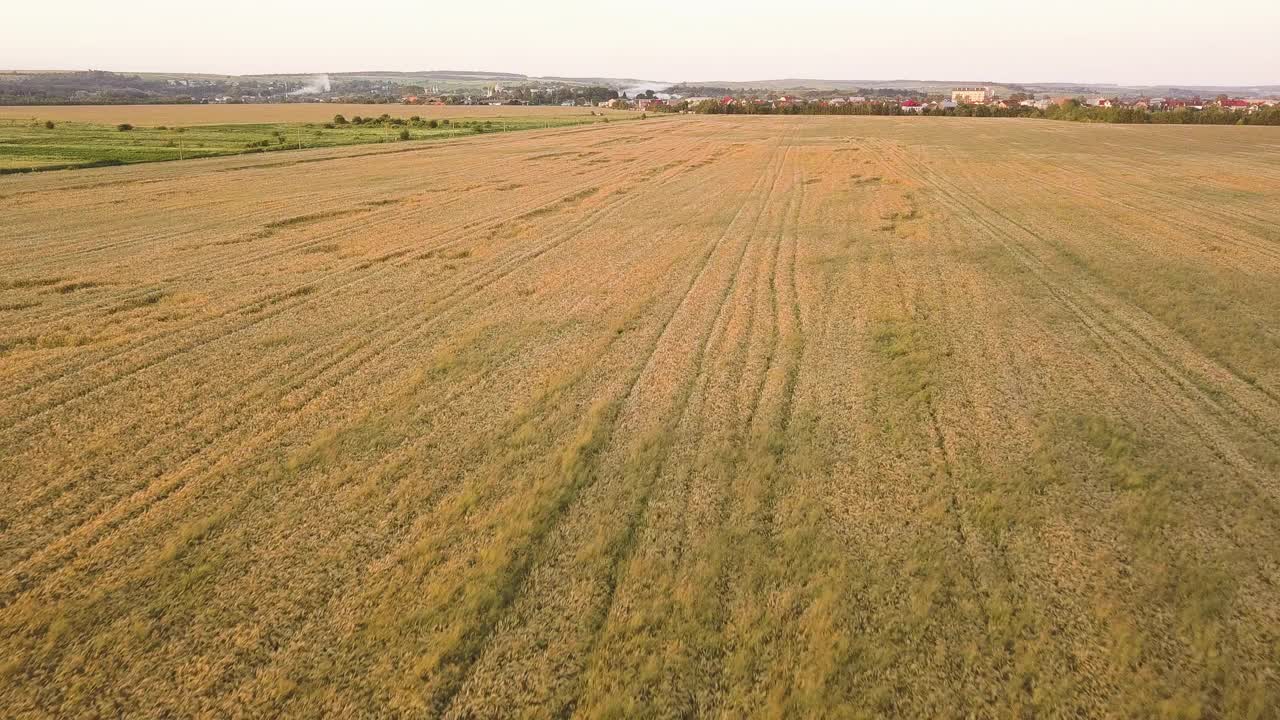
(698, 416)
(195, 114)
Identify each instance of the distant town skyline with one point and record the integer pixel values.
(1090, 41)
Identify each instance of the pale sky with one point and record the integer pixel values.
(1185, 42)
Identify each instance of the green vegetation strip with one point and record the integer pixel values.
(27, 146)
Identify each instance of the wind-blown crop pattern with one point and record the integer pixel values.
(695, 416)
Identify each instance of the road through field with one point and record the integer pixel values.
(716, 416)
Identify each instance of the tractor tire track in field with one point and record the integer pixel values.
(1122, 195)
(694, 408)
(1132, 346)
(1138, 351)
(403, 335)
(280, 300)
(243, 498)
(317, 362)
(541, 204)
(654, 457)
(701, 413)
(721, 416)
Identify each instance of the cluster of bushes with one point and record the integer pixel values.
(126, 127)
(386, 120)
(416, 122)
(277, 138)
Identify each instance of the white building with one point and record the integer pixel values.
(971, 94)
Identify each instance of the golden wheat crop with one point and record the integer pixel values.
(716, 416)
(151, 115)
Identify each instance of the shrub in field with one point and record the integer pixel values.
(48, 124)
(404, 134)
(340, 120)
(434, 123)
(124, 127)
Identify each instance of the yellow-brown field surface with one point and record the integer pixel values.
(276, 113)
(700, 416)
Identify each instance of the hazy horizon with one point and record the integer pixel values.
(1183, 43)
(706, 80)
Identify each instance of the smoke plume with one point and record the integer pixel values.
(314, 86)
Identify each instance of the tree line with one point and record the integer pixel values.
(1071, 111)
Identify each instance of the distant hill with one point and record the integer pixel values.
(1002, 88)
(89, 87)
(1156, 90)
(94, 87)
(851, 85)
